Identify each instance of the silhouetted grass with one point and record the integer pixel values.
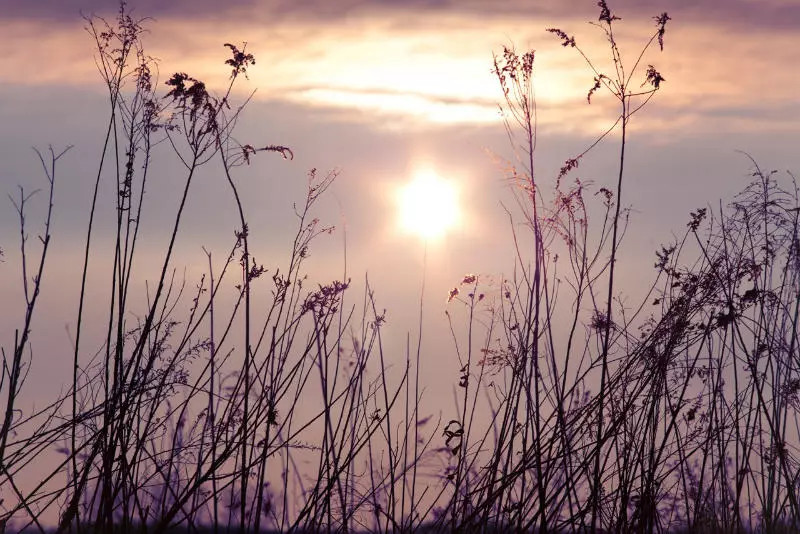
(575, 414)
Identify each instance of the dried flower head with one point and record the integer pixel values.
(605, 13)
(653, 77)
(661, 22)
(600, 321)
(240, 60)
(697, 218)
(570, 164)
(566, 40)
(453, 293)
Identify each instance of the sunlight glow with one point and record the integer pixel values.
(420, 107)
(428, 206)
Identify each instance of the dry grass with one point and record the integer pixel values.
(575, 414)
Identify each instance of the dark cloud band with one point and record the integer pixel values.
(751, 13)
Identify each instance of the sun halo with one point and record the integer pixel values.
(428, 206)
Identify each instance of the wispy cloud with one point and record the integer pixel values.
(399, 63)
(775, 14)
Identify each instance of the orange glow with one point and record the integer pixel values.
(394, 72)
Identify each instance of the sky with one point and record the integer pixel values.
(380, 90)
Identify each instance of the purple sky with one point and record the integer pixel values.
(770, 14)
(377, 89)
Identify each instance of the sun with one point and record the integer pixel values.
(428, 206)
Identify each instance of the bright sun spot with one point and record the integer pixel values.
(428, 206)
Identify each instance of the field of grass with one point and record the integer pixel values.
(575, 413)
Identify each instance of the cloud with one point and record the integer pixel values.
(406, 65)
(70, 10)
(775, 14)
